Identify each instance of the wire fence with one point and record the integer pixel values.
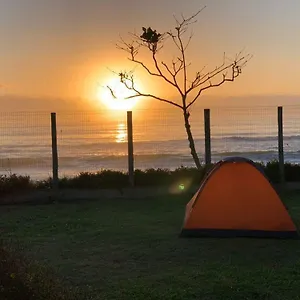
(93, 141)
(251, 132)
(25, 144)
(292, 133)
(160, 139)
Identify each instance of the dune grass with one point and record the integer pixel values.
(129, 249)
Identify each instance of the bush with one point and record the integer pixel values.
(102, 179)
(117, 179)
(14, 183)
(272, 171)
(150, 177)
(22, 279)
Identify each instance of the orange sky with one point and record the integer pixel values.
(63, 48)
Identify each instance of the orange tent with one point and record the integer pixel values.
(237, 200)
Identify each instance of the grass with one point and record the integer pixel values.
(126, 249)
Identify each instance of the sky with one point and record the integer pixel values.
(66, 48)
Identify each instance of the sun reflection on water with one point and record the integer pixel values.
(121, 133)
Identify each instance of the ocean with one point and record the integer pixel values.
(92, 141)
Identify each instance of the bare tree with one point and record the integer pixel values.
(176, 73)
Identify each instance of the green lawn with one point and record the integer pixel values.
(121, 249)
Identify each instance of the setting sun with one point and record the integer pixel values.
(120, 92)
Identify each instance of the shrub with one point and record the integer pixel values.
(101, 179)
(272, 171)
(14, 183)
(22, 279)
(150, 177)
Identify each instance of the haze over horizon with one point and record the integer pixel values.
(62, 49)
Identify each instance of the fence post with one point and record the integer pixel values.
(130, 148)
(280, 144)
(54, 153)
(207, 136)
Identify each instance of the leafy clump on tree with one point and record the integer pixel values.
(176, 73)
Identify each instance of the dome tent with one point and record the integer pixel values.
(236, 199)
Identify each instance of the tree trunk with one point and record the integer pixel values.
(191, 139)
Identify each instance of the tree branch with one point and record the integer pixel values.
(181, 28)
(133, 51)
(198, 80)
(154, 97)
(160, 72)
(202, 79)
(145, 67)
(128, 82)
(183, 59)
(236, 70)
(174, 76)
(153, 42)
(189, 41)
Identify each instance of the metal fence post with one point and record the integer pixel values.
(130, 148)
(280, 144)
(207, 136)
(54, 153)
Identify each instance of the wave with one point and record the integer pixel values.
(7, 163)
(249, 153)
(200, 139)
(171, 158)
(257, 138)
(89, 145)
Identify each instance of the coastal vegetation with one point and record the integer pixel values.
(110, 179)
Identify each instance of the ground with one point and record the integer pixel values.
(130, 249)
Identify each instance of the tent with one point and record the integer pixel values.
(237, 200)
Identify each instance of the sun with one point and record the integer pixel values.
(120, 92)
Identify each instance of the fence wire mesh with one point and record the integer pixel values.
(91, 141)
(25, 144)
(291, 133)
(248, 132)
(160, 139)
